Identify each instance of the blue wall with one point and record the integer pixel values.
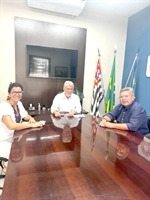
(138, 37)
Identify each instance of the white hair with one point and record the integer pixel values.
(68, 83)
(130, 89)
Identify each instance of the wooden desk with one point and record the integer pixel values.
(42, 167)
(34, 113)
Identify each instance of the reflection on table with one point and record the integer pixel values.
(61, 122)
(42, 166)
(144, 148)
(66, 124)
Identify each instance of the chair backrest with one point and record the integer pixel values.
(5, 160)
(148, 123)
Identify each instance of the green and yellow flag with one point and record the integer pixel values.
(110, 95)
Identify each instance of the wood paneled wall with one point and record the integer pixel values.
(32, 32)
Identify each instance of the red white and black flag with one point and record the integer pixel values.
(94, 130)
(98, 91)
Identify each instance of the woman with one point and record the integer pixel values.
(11, 114)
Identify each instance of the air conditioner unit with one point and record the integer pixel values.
(68, 7)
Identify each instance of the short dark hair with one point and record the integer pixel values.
(12, 85)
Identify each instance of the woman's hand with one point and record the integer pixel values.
(37, 124)
(29, 119)
(32, 120)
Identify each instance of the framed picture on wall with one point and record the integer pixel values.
(39, 66)
(61, 71)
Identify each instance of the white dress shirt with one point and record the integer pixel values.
(63, 104)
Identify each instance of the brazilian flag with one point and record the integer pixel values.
(110, 95)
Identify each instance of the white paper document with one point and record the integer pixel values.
(79, 115)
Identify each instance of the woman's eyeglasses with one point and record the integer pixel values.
(15, 93)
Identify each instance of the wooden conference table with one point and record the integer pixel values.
(95, 164)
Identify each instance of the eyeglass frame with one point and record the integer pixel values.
(17, 93)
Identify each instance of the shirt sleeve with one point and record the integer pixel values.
(137, 118)
(6, 109)
(114, 113)
(55, 104)
(77, 104)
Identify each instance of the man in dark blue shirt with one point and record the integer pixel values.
(128, 115)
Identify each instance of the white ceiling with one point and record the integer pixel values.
(125, 8)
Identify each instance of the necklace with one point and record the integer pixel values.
(16, 112)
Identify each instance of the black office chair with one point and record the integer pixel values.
(1, 175)
(148, 123)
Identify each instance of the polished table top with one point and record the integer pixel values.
(95, 164)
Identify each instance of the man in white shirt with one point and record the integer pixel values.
(66, 101)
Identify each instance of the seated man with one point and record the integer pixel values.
(66, 101)
(129, 115)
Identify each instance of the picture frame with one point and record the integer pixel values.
(61, 71)
(39, 66)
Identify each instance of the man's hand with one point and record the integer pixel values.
(71, 114)
(121, 126)
(57, 114)
(109, 125)
(103, 123)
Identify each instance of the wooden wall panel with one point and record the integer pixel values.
(32, 32)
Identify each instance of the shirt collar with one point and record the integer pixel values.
(129, 106)
(64, 96)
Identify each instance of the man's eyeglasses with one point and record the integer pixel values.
(15, 93)
(125, 96)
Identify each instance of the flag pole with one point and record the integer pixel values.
(115, 49)
(107, 149)
(136, 57)
(94, 127)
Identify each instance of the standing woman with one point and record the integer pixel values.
(11, 114)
